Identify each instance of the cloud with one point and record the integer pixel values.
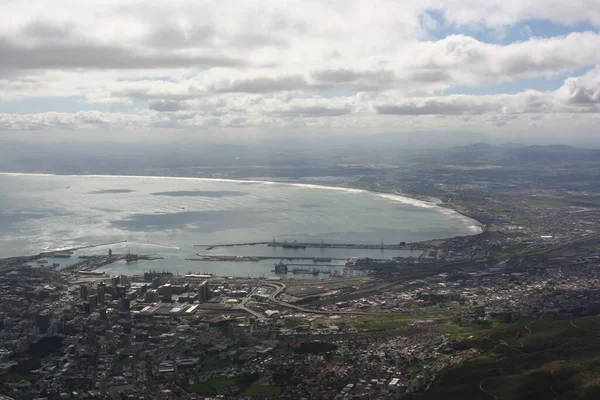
(348, 66)
(435, 107)
(97, 56)
(313, 111)
(170, 37)
(353, 80)
(584, 90)
(166, 105)
(262, 85)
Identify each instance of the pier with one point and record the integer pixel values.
(213, 246)
(322, 245)
(206, 257)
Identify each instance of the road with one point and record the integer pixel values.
(242, 306)
(280, 287)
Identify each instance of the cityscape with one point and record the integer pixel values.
(381, 328)
(299, 200)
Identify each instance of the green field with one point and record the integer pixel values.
(561, 202)
(263, 390)
(212, 386)
(534, 358)
(214, 367)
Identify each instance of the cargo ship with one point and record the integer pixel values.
(293, 246)
(281, 268)
(62, 254)
(301, 271)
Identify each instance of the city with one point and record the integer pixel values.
(300, 200)
(385, 327)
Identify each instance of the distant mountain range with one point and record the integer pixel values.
(186, 158)
(507, 154)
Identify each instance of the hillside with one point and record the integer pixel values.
(558, 359)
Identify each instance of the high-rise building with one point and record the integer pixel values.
(125, 305)
(151, 296)
(42, 322)
(166, 292)
(103, 385)
(93, 300)
(100, 293)
(203, 292)
(83, 292)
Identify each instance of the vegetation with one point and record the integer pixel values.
(215, 367)
(561, 202)
(263, 390)
(314, 347)
(212, 386)
(533, 358)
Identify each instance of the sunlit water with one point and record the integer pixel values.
(167, 216)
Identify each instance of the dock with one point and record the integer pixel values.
(206, 257)
(322, 245)
(213, 246)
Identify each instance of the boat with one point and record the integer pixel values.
(281, 268)
(91, 273)
(321, 259)
(293, 246)
(301, 271)
(42, 261)
(62, 254)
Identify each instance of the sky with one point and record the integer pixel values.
(164, 69)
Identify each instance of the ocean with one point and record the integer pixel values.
(167, 216)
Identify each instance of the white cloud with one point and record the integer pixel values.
(272, 64)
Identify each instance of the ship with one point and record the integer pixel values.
(62, 254)
(281, 268)
(321, 259)
(148, 276)
(301, 271)
(293, 246)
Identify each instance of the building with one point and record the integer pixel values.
(42, 322)
(100, 293)
(125, 305)
(103, 385)
(83, 292)
(151, 296)
(93, 300)
(203, 291)
(166, 292)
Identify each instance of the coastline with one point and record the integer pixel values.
(418, 201)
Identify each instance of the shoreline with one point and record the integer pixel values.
(401, 197)
(391, 195)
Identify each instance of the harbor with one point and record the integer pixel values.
(304, 245)
(205, 257)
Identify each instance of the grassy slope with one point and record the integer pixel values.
(557, 359)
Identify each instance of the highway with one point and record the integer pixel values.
(242, 306)
(280, 287)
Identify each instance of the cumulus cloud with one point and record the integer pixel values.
(313, 111)
(262, 84)
(96, 56)
(435, 107)
(166, 105)
(268, 64)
